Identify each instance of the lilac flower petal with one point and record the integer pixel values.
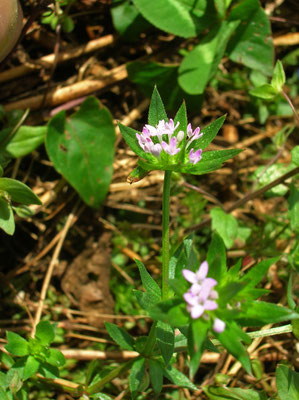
(210, 305)
(190, 299)
(156, 150)
(195, 289)
(218, 325)
(180, 136)
(197, 311)
(189, 276)
(202, 271)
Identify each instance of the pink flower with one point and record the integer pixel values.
(195, 157)
(171, 148)
(193, 135)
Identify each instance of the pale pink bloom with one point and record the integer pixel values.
(195, 157)
(197, 304)
(193, 135)
(162, 128)
(218, 325)
(171, 148)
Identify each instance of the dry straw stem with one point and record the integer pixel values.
(48, 60)
(71, 92)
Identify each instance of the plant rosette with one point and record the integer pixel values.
(172, 145)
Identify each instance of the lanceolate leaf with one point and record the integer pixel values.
(178, 378)
(259, 313)
(149, 284)
(7, 222)
(156, 111)
(156, 375)
(82, 149)
(209, 132)
(136, 376)
(165, 340)
(121, 337)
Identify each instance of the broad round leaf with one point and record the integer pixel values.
(82, 149)
(16, 345)
(45, 332)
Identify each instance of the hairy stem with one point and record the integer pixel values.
(165, 234)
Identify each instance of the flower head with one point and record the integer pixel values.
(201, 296)
(163, 137)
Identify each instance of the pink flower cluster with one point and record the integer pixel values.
(155, 139)
(201, 296)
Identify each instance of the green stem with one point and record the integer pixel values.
(113, 374)
(165, 234)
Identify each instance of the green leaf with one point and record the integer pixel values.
(31, 367)
(148, 74)
(200, 65)
(82, 149)
(128, 22)
(266, 92)
(48, 370)
(169, 15)
(45, 332)
(258, 313)
(7, 222)
(136, 376)
(56, 358)
(149, 284)
(165, 340)
(146, 300)
(278, 78)
(211, 160)
(221, 393)
(18, 191)
(136, 175)
(156, 375)
(295, 155)
(230, 338)
(178, 378)
(16, 345)
(172, 312)
(291, 302)
(197, 336)
(209, 133)
(287, 383)
(293, 201)
(256, 273)
(225, 225)
(251, 44)
(216, 258)
(129, 135)
(25, 140)
(120, 336)
(156, 111)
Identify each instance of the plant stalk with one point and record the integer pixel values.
(165, 234)
(95, 388)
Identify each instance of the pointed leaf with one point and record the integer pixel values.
(146, 300)
(198, 331)
(156, 111)
(136, 376)
(209, 132)
(278, 78)
(256, 273)
(156, 375)
(216, 258)
(165, 340)
(120, 336)
(149, 284)
(56, 358)
(230, 338)
(178, 378)
(266, 92)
